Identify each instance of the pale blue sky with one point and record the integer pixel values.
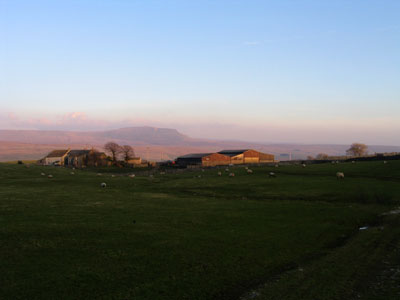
(305, 71)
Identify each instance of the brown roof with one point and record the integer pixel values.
(57, 153)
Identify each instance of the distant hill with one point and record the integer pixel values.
(149, 142)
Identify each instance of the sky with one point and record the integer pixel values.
(266, 71)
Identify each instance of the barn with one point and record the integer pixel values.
(80, 158)
(203, 159)
(247, 156)
(55, 157)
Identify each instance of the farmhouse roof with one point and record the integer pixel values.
(232, 152)
(57, 153)
(195, 155)
(78, 152)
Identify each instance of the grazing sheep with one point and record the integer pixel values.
(151, 175)
(162, 173)
(202, 170)
(99, 174)
(132, 176)
(249, 171)
(42, 174)
(276, 166)
(340, 175)
(332, 162)
(226, 170)
(337, 161)
(199, 176)
(353, 162)
(219, 173)
(72, 173)
(73, 168)
(272, 174)
(303, 165)
(231, 174)
(385, 162)
(103, 184)
(50, 176)
(246, 168)
(113, 175)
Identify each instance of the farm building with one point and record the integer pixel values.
(55, 157)
(247, 156)
(203, 159)
(79, 158)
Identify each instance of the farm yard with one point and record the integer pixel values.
(301, 234)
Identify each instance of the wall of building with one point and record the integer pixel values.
(215, 159)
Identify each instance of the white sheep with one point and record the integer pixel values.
(99, 174)
(50, 176)
(353, 162)
(112, 175)
(103, 184)
(226, 170)
(249, 171)
(132, 176)
(303, 165)
(385, 162)
(219, 173)
(42, 174)
(272, 174)
(340, 175)
(199, 176)
(276, 166)
(72, 173)
(151, 175)
(246, 168)
(231, 174)
(162, 173)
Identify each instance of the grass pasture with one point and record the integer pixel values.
(181, 236)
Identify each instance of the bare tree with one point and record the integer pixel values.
(357, 149)
(310, 157)
(322, 156)
(113, 149)
(128, 152)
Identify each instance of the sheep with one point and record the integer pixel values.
(340, 175)
(151, 175)
(112, 175)
(132, 176)
(276, 166)
(199, 176)
(249, 171)
(226, 170)
(231, 174)
(103, 184)
(99, 174)
(272, 174)
(353, 162)
(162, 173)
(246, 168)
(202, 170)
(219, 173)
(72, 173)
(303, 165)
(385, 162)
(42, 174)
(337, 161)
(50, 176)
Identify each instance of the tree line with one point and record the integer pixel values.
(116, 151)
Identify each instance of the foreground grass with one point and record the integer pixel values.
(178, 236)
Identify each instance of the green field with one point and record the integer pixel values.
(178, 236)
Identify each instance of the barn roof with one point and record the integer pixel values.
(195, 155)
(232, 152)
(57, 153)
(78, 152)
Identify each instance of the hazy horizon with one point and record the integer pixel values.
(310, 72)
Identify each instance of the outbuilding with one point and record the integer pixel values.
(247, 156)
(203, 159)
